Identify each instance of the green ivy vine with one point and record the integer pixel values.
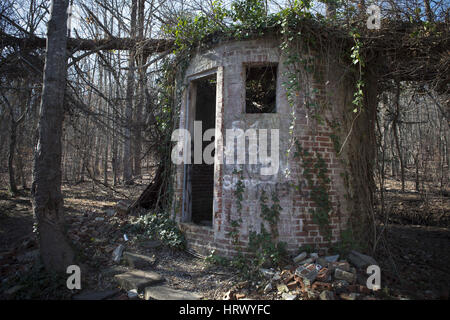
(316, 174)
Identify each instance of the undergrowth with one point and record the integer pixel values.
(36, 283)
(158, 226)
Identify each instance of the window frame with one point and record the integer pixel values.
(246, 66)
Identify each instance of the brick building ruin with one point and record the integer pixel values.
(218, 90)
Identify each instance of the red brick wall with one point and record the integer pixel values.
(295, 226)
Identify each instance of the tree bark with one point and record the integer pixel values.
(397, 141)
(55, 250)
(12, 150)
(428, 10)
(127, 161)
(13, 124)
(140, 92)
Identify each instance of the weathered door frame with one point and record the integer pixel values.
(186, 211)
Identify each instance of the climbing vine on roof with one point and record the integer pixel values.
(409, 49)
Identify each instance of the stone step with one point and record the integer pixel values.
(138, 279)
(163, 292)
(139, 261)
(151, 244)
(113, 270)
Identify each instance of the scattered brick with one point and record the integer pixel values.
(327, 295)
(308, 274)
(340, 286)
(240, 296)
(292, 285)
(348, 296)
(282, 288)
(321, 286)
(324, 275)
(359, 289)
(344, 275)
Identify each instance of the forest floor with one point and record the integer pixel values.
(414, 253)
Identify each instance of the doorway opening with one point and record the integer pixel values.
(201, 176)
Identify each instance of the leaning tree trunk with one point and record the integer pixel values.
(56, 253)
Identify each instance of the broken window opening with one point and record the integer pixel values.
(260, 88)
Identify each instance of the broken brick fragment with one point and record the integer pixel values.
(289, 279)
(292, 285)
(359, 289)
(323, 275)
(321, 286)
(327, 295)
(240, 296)
(300, 282)
(307, 273)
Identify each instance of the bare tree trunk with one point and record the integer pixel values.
(416, 163)
(127, 161)
(97, 147)
(114, 163)
(106, 151)
(12, 151)
(394, 171)
(19, 159)
(83, 163)
(428, 10)
(441, 156)
(55, 250)
(107, 82)
(397, 142)
(97, 133)
(116, 116)
(13, 124)
(137, 135)
(114, 159)
(141, 92)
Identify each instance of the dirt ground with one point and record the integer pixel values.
(414, 259)
(94, 242)
(415, 252)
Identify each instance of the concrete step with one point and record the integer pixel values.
(138, 279)
(164, 292)
(139, 261)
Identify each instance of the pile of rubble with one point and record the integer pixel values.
(316, 276)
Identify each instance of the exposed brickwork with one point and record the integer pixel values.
(295, 226)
